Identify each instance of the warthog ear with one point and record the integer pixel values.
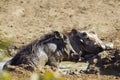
(74, 31)
(57, 34)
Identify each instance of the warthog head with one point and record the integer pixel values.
(86, 41)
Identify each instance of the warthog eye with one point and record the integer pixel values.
(84, 34)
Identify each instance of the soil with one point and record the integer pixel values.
(18, 73)
(22, 21)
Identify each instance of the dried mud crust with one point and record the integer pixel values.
(19, 73)
(90, 77)
(23, 74)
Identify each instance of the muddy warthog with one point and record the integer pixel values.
(49, 50)
(86, 43)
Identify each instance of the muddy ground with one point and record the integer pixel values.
(22, 21)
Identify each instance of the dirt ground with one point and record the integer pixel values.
(22, 21)
(19, 73)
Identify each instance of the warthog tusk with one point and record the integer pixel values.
(81, 40)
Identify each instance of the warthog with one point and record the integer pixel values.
(49, 50)
(86, 43)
